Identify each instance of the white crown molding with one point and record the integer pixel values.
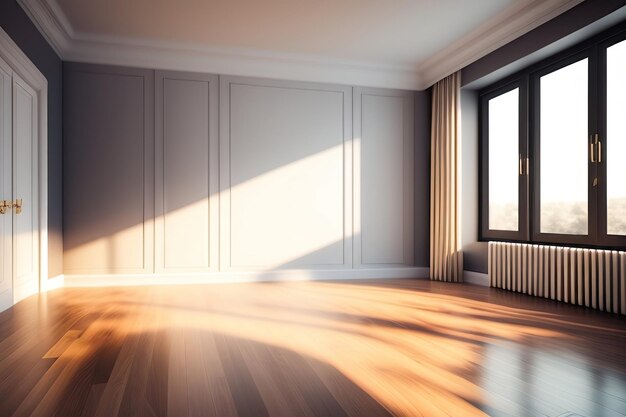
(71, 45)
(53, 25)
(511, 23)
(241, 62)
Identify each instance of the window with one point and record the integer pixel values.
(564, 181)
(503, 151)
(504, 155)
(553, 149)
(616, 139)
(564, 124)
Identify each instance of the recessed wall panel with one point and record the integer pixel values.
(286, 200)
(108, 171)
(383, 177)
(186, 118)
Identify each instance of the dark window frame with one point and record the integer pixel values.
(528, 80)
(535, 179)
(522, 233)
(612, 241)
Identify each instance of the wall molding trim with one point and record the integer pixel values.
(71, 45)
(54, 283)
(476, 278)
(510, 24)
(109, 280)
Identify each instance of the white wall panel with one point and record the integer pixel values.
(186, 172)
(108, 205)
(250, 176)
(285, 175)
(383, 177)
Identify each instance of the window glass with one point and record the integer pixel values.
(564, 150)
(616, 139)
(503, 161)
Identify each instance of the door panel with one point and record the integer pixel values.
(25, 244)
(6, 226)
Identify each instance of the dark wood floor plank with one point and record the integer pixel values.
(362, 348)
(20, 388)
(117, 382)
(219, 390)
(134, 402)
(198, 384)
(282, 397)
(156, 389)
(177, 389)
(353, 400)
(248, 400)
(70, 390)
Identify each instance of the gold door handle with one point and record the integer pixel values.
(17, 205)
(527, 166)
(4, 205)
(596, 149)
(591, 150)
(523, 162)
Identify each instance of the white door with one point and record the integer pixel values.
(6, 223)
(25, 201)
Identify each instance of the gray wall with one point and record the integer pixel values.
(20, 28)
(473, 259)
(110, 183)
(384, 177)
(108, 169)
(421, 162)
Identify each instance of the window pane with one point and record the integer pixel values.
(563, 165)
(503, 161)
(616, 139)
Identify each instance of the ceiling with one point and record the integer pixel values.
(397, 32)
(387, 43)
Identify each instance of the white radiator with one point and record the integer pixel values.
(587, 277)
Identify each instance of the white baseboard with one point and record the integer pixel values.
(53, 283)
(476, 278)
(108, 280)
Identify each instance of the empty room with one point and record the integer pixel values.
(313, 208)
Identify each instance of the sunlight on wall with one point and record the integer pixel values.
(292, 212)
(186, 236)
(122, 249)
(290, 216)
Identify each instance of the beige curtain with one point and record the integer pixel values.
(446, 259)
